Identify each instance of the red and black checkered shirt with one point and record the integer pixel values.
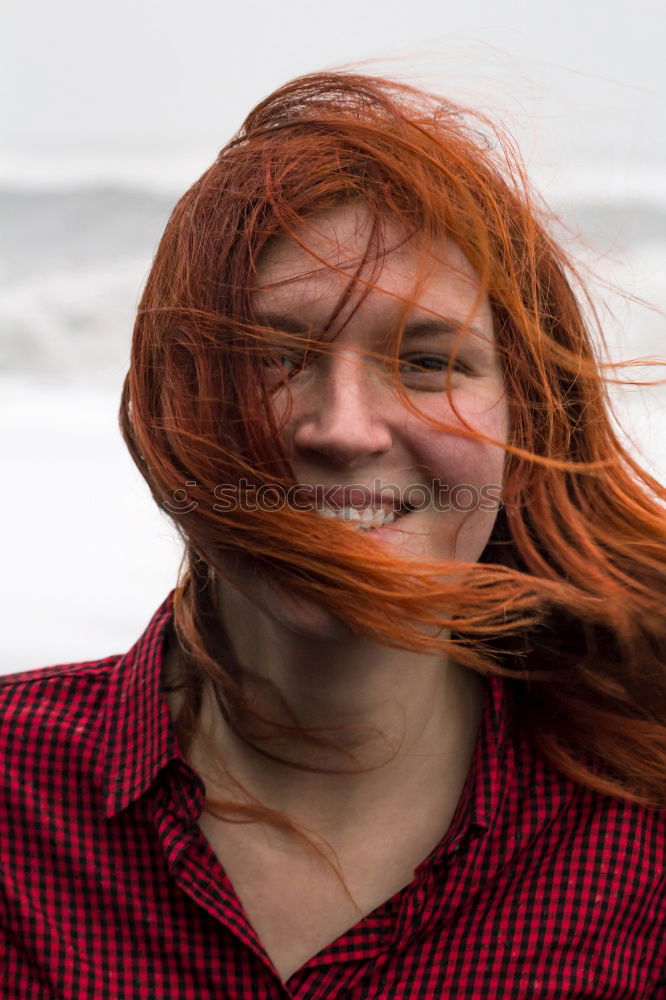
(109, 891)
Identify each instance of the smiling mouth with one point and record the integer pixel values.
(366, 518)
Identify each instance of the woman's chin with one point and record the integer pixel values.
(301, 614)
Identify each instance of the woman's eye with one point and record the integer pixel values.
(290, 365)
(283, 364)
(429, 365)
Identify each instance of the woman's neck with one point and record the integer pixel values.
(399, 728)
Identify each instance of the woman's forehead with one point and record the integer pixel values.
(311, 269)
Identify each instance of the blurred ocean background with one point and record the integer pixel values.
(112, 110)
(73, 261)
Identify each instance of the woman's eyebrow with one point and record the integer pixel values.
(426, 327)
(288, 324)
(434, 327)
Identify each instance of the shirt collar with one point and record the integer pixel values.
(140, 740)
(482, 797)
(486, 781)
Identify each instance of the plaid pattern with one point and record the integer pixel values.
(109, 891)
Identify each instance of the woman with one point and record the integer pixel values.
(400, 729)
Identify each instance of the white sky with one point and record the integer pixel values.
(579, 79)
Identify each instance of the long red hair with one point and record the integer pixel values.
(568, 597)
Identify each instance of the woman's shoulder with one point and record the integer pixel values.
(22, 679)
(55, 714)
(49, 684)
(581, 824)
(88, 722)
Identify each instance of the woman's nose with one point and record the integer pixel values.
(342, 414)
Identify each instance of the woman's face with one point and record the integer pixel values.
(348, 426)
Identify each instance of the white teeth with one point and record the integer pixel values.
(326, 512)
(365, 519)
